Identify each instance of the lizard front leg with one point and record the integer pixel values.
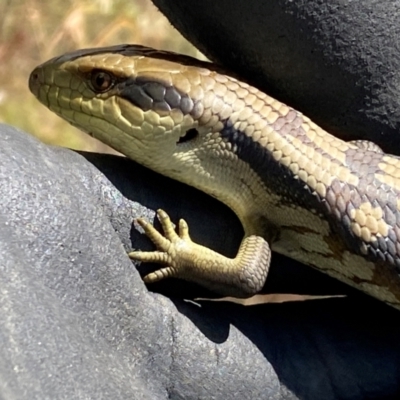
(242, 276)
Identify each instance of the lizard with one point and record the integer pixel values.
(296, 189)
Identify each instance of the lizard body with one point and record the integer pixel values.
(296, 189)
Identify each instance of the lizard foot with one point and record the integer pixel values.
(242, 276)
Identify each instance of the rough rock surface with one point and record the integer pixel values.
(77, 322)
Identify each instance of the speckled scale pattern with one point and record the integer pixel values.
(365, 229)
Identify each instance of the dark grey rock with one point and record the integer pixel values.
(337, 61)
(77, 322)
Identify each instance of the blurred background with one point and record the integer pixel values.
(32, 31)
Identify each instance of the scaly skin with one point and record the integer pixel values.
(297, 189)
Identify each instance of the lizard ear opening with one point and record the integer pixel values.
(188, 136)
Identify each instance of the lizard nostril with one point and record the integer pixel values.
(34, 82)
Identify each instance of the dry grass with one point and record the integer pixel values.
(32, 31)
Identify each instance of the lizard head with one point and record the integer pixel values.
(155, 107)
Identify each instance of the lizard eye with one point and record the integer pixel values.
(101, 81)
